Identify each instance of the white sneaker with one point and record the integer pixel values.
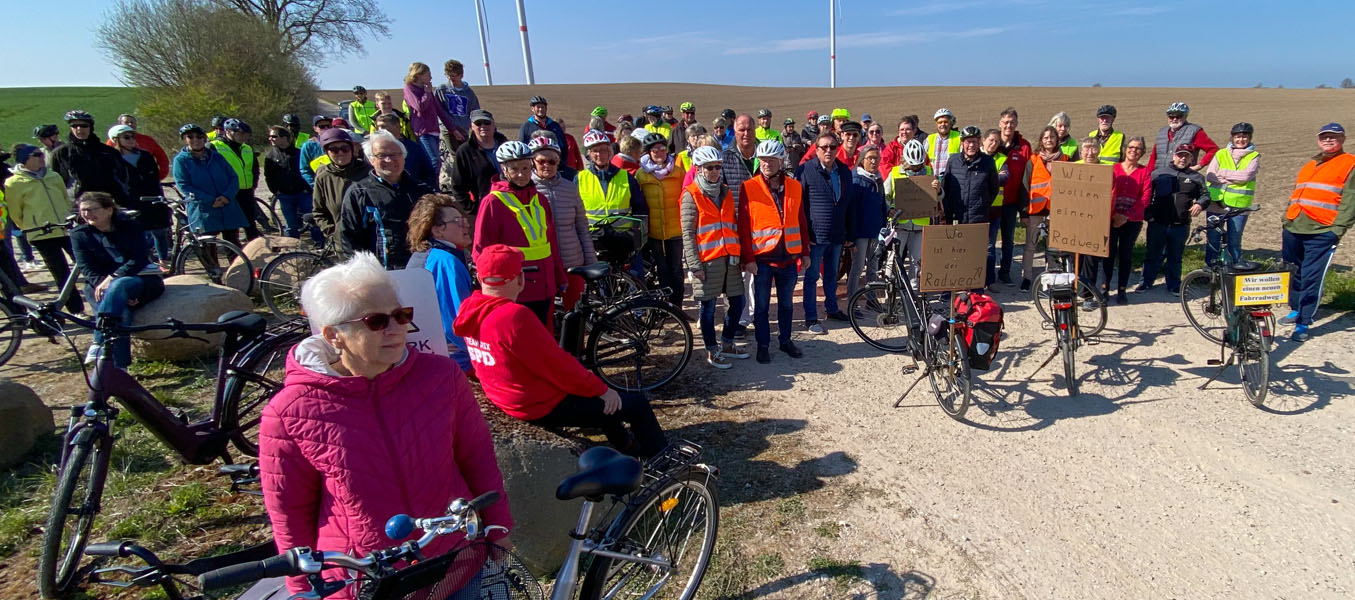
(94, 353)
(715, 359)
(30, 267)
(732, 350)
(816, 328)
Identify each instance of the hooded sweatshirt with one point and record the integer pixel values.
(521, 367)
(498, 224)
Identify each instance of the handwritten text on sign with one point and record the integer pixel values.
(953, 257)
(1261, 288)
(1080, 207)
(914, 197)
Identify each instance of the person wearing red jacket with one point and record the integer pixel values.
(892, 154)
(144, 142)
(1179, 132)
(1014, 193)
(526, 374)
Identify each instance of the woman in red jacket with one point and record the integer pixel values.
(1132, 189)
(364, 429)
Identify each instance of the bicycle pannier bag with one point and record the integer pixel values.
(981, 317)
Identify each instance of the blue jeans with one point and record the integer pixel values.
(429, 141)
(1168, 240)
(731, 320)
(784, 278)
(293, 206)
(822, 257)
(1312, 252)
(1233, 228)
(158, 239)
(25, 248)
(1006, 225)
(114, 303)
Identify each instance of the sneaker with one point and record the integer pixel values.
(1142, 288)
(32, 288)
(790, 350)
(1291, 318)
(743, 322)
(732, 350)
(31, 267)
(715, 359)
(1090, 304)
(1005, 278)
(742, 333)
(763, 356)
(1025, 285)
(95, 352)
(1300, 333)
(815, 328)
(1121, 298)
(838, 315)
(1174, 292)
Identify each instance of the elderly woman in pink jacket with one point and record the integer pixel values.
(364, 429)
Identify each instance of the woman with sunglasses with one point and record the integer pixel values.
(143, 180)
(209, 185)
(364, 428)
(555, 182)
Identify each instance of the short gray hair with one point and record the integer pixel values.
(337, 294)
(695, 130)
(596, 123)
(382, 135)
(1060, 117)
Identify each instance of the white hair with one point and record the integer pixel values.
(1061, 117)
(383, 136)
(339, 293)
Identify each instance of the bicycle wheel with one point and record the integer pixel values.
(67, 529)
(662, 522)
(210, 258)
(639, 345)
(280, 281)
(844, 262)
(949, 375)
(879, 319)
(1094, 315)
(251, 384)
(1067, 347)
(1202, 300)
(11, 332)
(616, 285)
(1254, 359)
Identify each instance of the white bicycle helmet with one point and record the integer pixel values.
(705, 154)
(594, 137)
(511, 151)
(771, 149)
(914, 153)
(544, 142)
(944, 112)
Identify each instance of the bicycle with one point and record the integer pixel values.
(13, 321)
(281, 279)
(617, 241)
(202, 254)
(635, 342)
(1056, 294)
(248, 351)
(1209, 297)
(890, 307)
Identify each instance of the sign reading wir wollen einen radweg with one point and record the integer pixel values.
(1080, 207)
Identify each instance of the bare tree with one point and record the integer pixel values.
(1347, 84)
(315, 28)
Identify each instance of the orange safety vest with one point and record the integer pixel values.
(1039, 186)
(1317, 192)
(770, 225)
(717, 232)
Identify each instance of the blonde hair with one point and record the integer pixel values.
(416, 69)
(705, 141)
(630, 146)
(380, 94)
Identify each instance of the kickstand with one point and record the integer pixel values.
(1046, 362)
(1222, 368)
(910, 388)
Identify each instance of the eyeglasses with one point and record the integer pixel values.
(1175, 116)
(322, 126)
(546, 162)
(379, 321)
(386, 156)
(712, 167)
(79, 126)
(826, 147)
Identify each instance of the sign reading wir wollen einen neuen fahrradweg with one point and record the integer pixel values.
(1080, 207)
(954, 257)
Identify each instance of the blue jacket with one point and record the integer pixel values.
(453, 285)
(204, 180)
(826, 204)
(121, 252)
(868, 214)
(532, 126)
(968, 188)
(418, 164)
(310, 151)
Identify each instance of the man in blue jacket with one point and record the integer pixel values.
(829, 195)
(968, 188)
(312, 150)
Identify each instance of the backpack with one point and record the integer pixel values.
(981, 318)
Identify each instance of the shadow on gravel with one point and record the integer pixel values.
(886, 584)
(748, 454)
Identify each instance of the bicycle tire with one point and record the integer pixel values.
(623, 341)
(616, 285)
(11, 332)
(1068, 348)
(210, 258)
(601, 581)
(1202, 301)
(281, 279)
(1045, 305)
(55, 578)
(844, 263)
(266, 215)
(950, 378)
(874, 316)
(1254, 362)
(251, 384)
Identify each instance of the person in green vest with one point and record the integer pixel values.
(764, 130)
(293, 123)
(1111, 141)
(233, 145)
(1063, 125)
(943, 143)
(1231, 177)
(992, 140)
(360, 111)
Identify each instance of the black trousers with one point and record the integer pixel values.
(645, 438)
(1122, 240)
(245, 198)
(667, 257)
(54, 251)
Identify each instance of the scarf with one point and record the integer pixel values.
(659, 171)
(714, 191)
(1050, 157)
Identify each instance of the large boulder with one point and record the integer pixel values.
(192, 300)
(259, 251)
(23, 419)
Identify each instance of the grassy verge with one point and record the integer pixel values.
(21, 109)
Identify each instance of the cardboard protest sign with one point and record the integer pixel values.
(415, 288)
(914, 197)
(1080, 207)
(954, 257)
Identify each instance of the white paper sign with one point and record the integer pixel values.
(415, 288)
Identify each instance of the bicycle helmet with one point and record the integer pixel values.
(970, 131)
(545, 142)
(653, 109)
(812, 116)
(705, 154)
(1243, 127)
(79, 115)
(943, 112)
(764, 112)
(914, 152)
(217, 120)
(594, 137)
(825, 119)
(513, 150)
(234, 125)
(537, 100)
(291, 120)
(687, 107)
(1106, 110)
(728, 114)
(651, 139)
(841, 113)
(599, 111)
(117, 130)
(771, 149)
(639, 133)
(666, 108)
(190, 128)
(42, 131)
(1179, 107)
(788, 121)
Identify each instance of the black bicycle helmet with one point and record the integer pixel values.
(218, 121)
(42, 131)
(79, 115)
(537, 100)
(1243, 127)
(290, 120)
(190, 128)
(970, 131)
(1106, 110)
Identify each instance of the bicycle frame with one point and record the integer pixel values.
(568, 578)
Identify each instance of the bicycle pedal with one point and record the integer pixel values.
(1213, 362)
(909, 369)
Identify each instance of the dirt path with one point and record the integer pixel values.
(1142, 486)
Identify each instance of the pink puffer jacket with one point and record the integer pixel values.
(340, 455)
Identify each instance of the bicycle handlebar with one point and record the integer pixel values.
(71, 221)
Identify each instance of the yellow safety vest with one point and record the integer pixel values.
(362, 115)
(952, 145)
(4, 216)
(243, 163)
(998, 160)
(599, 206)
(662, 129)
(896, 173)
(684, 161)
(532, 218)
(1233, 195)
(1069, 147)
(1111, 152)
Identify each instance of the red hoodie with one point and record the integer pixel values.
(522, 369)
(497, 224)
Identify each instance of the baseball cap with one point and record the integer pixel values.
(318, 118)
(498, 265)
(22, 152)
(340, 123)
(1332, 128)
(866, 117)
(334, 134)
(481, 114)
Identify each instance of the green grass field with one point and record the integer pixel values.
(23, 108)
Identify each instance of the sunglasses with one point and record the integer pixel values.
(127, 136)
(546, 162)
(379, 321)
(336, 149)
(828, 147)
(712, 167)
(323, 126)
(79, 126)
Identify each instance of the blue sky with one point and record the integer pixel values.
(927, 42)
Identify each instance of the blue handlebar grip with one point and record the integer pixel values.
(399, 527)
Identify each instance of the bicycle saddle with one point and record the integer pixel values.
(243, 324)
(591, 272)
(602, 471)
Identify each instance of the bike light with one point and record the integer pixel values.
(1261, 313)
(1063, 305)
(1063, 326)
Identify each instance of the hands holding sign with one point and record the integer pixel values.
(1080, 207)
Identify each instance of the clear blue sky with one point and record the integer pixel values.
(771, 42)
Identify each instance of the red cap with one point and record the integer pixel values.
(340, 123)
(1186, 149)
(499, 262)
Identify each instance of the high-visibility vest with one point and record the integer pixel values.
(998, 160)
(243, 163)
(211, 135)
(362, 115)
(318, 162)
(599, 206)
(664, 197)
(662, 129)
(771, 225)
(1317, 192)
(898, 172)
(767, 133)
(301, 139)
(934, 146)
(532, 218)
(1069, 147)
(1111, 150)
(684, 161)
(717, 232)
(4, 215)
(1234, 195)
(1039, 185)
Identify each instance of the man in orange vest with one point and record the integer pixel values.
(771, 209)
(1321, 210)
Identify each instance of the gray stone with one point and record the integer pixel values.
(23, 419)
(532, 466)
(259, 251)
(189, 299)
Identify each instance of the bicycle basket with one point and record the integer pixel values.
(431, 579)
(506, 578)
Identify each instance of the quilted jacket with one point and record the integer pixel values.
(338, 456)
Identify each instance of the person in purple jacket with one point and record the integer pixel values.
(425, 111)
